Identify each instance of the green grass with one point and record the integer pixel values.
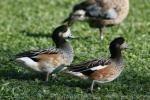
(26, 25)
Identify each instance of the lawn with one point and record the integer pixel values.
(28, 24)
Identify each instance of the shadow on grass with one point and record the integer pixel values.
(21, 76)
(36, 35)
(47, 35)
(126, 84)
(60, 80)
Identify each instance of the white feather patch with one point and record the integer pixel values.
(98, 67)
(78, 74)
(79, 12)
(29, 63)
(67, 33)
(79, 15)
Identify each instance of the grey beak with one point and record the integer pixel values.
(71, 36)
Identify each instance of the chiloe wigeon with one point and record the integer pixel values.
(50, 60)
(99, 13)
(102, 70)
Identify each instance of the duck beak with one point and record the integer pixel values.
(71, 36)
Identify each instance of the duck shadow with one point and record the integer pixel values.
(63, 79)
(36, 34)
(133, 77)
(21, 76)
(132, 82)
(60, 80)
(47, 35)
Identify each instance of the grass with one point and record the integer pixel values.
(27, 24)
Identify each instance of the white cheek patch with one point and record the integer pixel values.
(98, 67)
(124, 45)
(67, 33)
(79, 14)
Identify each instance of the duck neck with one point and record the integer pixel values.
(116, 57)
(66, 46)
(68, 50)
(116, 54)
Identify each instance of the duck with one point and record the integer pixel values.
(102, 70)
(99, 13)
(50, 60)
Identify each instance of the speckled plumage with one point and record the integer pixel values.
(102, 70)
(48, 60)
(121, 7)
(100, 13)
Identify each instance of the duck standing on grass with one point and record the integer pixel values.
(99, 13)
(51, 60)
(102, 70)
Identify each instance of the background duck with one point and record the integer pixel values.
(99, 13)
(102, 70)
(50, 60)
